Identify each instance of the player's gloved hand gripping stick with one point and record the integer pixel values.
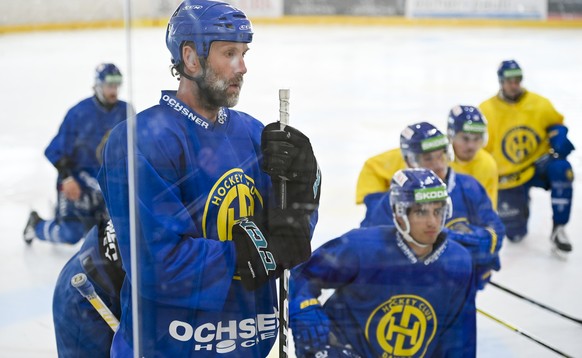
(269, 246)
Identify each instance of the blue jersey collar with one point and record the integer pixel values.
(169, 99)
(438, 249)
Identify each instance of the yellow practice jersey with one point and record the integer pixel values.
(517, 135)
(377, 173)
(484, 169)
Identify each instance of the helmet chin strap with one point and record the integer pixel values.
(406, 233)
(99, 93)
(198, 80)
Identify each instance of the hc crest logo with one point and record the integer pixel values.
(403, 326)
(232, 197)
(519, 143)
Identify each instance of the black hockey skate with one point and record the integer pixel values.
(29, 233)
(561, 243)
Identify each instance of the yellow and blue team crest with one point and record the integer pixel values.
(403, 326)
(233, 196)
(519, 143)
(570, 175)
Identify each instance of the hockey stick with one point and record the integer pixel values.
(85, 288)
(577, 320)
(284, 280)
(517, 330)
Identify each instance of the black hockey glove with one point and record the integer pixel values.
(64, 167)
(263, 254)
(287, 154)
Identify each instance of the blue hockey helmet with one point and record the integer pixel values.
(509, 69)
(421, 138)
(205, 21)
(417, 186)
(466, 119)
(107, 73)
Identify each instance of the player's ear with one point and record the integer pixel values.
(191, 63)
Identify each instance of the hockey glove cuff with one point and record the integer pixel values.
(310, 327)
(254, 260)
(290, 235)
(263, 254)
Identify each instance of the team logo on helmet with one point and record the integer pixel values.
(434, 143)
(192, 7)
(513, 72)
(520, 143)
(426, 195)
(400, 178)
(403, 326)
(233, 196)
(474, 127)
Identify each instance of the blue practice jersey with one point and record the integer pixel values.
(81, 132)
(195, 179)
(471, 205)
(387, 302)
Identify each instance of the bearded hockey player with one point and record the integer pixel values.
(211, 235)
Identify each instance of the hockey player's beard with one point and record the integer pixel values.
(214, 90)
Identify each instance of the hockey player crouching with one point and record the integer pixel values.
(467, 132)
(399, 291)
(528, 139)
(474, 223)
(79, 329)
(75, 153)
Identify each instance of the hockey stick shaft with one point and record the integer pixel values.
(284, 281)
(527, 335)
(553, 310)
(86, 289)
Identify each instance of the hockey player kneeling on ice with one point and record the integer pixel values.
(528, 140)
(211, 235)
(401, 291)
(80, 330)
(467, 132)
(474, 223)
(76, 152)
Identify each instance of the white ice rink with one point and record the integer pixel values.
(352, 91)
